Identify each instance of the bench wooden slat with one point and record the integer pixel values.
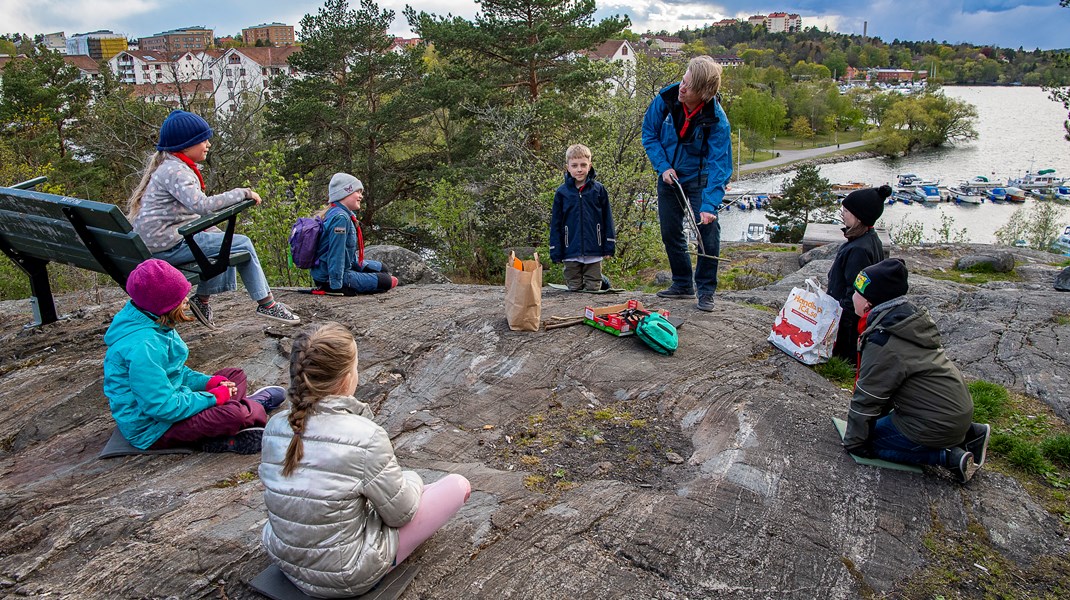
(95, 214)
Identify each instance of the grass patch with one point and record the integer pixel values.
(971, 277)
(240, 478)
(965, 564)
(838, 371)
(743, 278)
(1061, 318)
(760, 307)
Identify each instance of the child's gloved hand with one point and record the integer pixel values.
(222, 393)
(215, 381)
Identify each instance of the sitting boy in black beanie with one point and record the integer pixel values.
(910, 403)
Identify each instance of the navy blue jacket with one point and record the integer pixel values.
(581, 222)
(338, 246)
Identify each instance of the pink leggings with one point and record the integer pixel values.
(440, 501)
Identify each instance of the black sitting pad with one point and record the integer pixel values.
(118, 446)
(275, 585)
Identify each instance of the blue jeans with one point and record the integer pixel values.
(252, 275)
(671, 215)
(359, 279)
(888, 444)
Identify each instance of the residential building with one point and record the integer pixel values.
(728, 60)
(139, 67)
(87, 66)
(726, 22)
(244, 73)
(197, 91)
(663, 42)
(757, 20)
(621, 52)
(175, 41)
(400, 44)
(780, 22)
(98, 45)
(56, 42)
(279, 34)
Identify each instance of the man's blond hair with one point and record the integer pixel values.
(705, 76)
(577, 151)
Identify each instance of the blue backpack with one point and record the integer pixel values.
(304, 242)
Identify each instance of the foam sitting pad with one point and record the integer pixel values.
(118, 446)
(561, 286)
(841, 426)
(272, 583)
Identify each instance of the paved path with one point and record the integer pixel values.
(787, 156)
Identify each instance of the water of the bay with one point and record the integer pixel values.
(1018, 129)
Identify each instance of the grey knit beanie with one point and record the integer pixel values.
(342, 185)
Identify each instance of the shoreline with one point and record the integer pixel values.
(819, 160)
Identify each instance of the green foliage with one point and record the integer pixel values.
(926, 121)
(807, 197)
(41, 100)
(453, 219)
(990, 401)
(285, 198)
(838, 371)
(906, 233)
(1057, 449)
(1038, 225)
(947, 234)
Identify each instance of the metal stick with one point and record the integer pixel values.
(685, 204)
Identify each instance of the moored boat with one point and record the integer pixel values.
(926, 193)
(1016, 195)
(1041, 179)
(1062, 243)
(966, 195)
(997, 194)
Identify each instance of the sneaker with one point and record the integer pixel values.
(246, 441)
(977, 442)
(279, 312)
(705, 303)
(269, 397)
(325, 289)
(675, 292)
(961, 464)
(202, 311)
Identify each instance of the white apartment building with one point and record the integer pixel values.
(140, 67)
(621, 52)
(779, 22)
(242, 74)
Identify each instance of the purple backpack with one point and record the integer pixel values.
(304, 242)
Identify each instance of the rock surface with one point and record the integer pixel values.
(572, 440)
(1062, 281)
(1000, 262)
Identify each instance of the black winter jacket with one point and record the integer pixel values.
(853, 256)
(581, 222)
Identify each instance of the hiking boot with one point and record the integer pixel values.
(202, 311)
(977, 442)
(269, 397)
(705, 302)
(279, 312)
(675, 292)
(960, 463)
(246, 441)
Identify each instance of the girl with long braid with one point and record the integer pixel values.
(341, 511)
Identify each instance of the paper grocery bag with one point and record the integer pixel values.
(806, 327)
(523, 293)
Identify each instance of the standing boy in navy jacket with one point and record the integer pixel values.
(581, 223)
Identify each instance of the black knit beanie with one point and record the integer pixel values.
(867, 204)
(883, 281)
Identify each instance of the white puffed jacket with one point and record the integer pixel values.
(332, 523)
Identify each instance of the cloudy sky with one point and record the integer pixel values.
(1027, 23)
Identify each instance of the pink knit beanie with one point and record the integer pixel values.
(156, 286)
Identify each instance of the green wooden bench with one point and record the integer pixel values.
(38, 228)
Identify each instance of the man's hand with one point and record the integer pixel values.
(669, 176)
(707, 218)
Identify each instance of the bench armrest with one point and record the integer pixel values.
(208, 267)
(29, 184)
(217, 217)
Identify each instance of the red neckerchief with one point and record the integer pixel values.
(861, 328)
(189, 163)
(687, 117)
(360, 235)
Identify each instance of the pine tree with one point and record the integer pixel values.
(807, 196)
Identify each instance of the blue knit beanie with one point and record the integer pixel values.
(182, 129)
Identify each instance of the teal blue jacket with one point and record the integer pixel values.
(146, 378)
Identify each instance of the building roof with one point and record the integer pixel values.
(267, 25)
(180, 30)
(268, 56)
(146, 55)
(607, 49)
(83, 62)
(667, 38)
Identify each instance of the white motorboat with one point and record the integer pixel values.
(1041, 179)
(963, 194)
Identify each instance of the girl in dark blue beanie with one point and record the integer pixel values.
(171, 194)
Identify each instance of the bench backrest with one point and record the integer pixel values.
(43, 226)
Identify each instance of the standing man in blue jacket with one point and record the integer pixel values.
(687, 138)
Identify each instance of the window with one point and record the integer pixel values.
(624, 51)
(241, 72)
(228, 72)
(230, 84)
(264, 71)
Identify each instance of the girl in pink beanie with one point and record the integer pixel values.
(157, 401)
